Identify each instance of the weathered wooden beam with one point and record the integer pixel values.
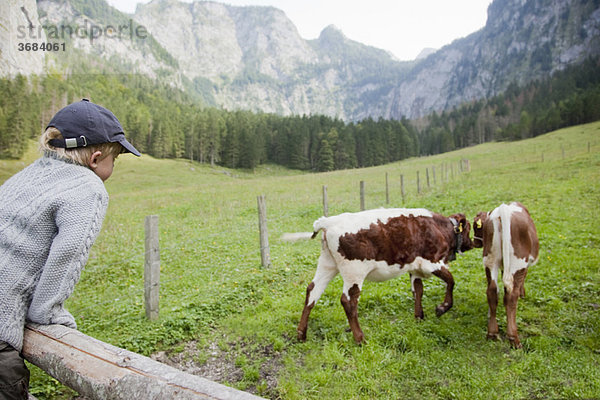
(99, 370)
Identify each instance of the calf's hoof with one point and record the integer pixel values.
(493, 336)
(515, 342)
(442, 308)
(360, 339)
(302, 336)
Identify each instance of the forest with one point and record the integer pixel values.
(569, 97)
(163, 121)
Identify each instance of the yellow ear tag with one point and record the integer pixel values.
(460, 228)
(478, 224)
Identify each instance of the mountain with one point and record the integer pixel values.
(426, 52)
(96, 33)
(18, 24)
(253, 57)
(521, 41)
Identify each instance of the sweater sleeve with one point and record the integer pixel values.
(78, 220)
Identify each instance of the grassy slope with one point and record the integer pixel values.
(214, 290)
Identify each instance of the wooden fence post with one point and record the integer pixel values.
(427, 173)
(433, 171)
(387, 190)
(152, 268)
(445, 166)
(362, 195)
(402, 187)
(418, 184)
(325, 202)
(265, 256)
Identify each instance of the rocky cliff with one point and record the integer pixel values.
(19, 26)
(103, 33)
(522, 41)
(253, 57)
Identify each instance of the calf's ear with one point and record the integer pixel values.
(464, 225)
(462, 222)
(480, 219)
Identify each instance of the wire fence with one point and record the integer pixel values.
(222, 264)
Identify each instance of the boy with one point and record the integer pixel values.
(50, 215)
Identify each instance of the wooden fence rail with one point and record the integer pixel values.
(101, 371)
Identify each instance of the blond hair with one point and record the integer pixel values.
(79, 155)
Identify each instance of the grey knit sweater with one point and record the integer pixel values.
(50, 215)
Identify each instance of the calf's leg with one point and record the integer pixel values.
(353, 273)
(511, 301)
(350, 304)
(303, 324)
(522, 292)
(417, 289)
(445, 275)
(326, 271)
(492, 298)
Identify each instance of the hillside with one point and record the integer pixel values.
(253, 58)
(224, 317)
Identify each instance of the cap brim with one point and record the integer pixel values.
(129, 147)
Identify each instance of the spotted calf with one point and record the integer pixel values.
(509, 239)
(381, 244)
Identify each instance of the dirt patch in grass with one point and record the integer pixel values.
(223, 365)
(216, 368)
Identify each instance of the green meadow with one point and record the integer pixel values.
(226, 317)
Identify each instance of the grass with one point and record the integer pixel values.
(214, 291)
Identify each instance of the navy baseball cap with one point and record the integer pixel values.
(84, 123)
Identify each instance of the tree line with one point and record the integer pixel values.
(165, 122)
(569, 97)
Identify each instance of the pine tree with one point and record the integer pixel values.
(325, 161)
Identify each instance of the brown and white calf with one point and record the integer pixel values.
(509, 239)
(381, 244)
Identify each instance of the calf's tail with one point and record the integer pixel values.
(507, 275)
(296, 236)
(317, 226)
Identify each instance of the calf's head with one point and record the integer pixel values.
(462, 230)
(478, 222)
